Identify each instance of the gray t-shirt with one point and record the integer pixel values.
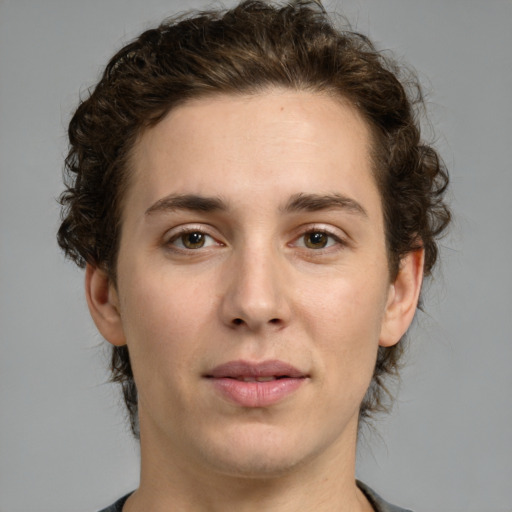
(375, 500)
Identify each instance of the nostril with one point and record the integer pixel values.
(240, 321)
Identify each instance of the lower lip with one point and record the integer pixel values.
(256, 394)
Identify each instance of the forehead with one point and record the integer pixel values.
(254, 146)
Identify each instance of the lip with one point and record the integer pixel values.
(238, 382)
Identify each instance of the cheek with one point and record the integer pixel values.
(163, 319)
(344, 318)
(353, 301)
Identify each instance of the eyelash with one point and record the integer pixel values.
(336, 240)
(189, 231)
(333, 243)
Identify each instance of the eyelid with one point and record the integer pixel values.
(335, 233)
(178, 231)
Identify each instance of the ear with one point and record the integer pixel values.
(103, 305)
(403, 298)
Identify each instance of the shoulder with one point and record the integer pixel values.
(377, 502)
(117, 506)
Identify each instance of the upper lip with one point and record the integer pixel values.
(240, 369)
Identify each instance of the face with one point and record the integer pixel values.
(253, 288)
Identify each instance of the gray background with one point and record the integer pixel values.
(447, 446)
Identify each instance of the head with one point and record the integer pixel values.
(246, 52)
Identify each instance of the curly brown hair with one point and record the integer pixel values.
(246, 50)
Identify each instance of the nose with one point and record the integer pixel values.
(256, 293)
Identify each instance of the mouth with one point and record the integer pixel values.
(259, 379)
(256, 384)
(264, 371)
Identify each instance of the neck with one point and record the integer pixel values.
(170, 482)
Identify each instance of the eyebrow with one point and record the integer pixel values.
(190, 202)
(296, 203)
(317, 202)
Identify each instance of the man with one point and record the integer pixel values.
(255, 210)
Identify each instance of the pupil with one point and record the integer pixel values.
(193, 240)
(316, 240)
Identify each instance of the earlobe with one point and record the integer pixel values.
(403, 298)
(103, 305)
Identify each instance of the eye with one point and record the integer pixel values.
(317, 240)
(192, 240)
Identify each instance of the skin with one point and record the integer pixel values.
(260, 287)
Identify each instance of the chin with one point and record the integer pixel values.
(256, 465)
(257, 454)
